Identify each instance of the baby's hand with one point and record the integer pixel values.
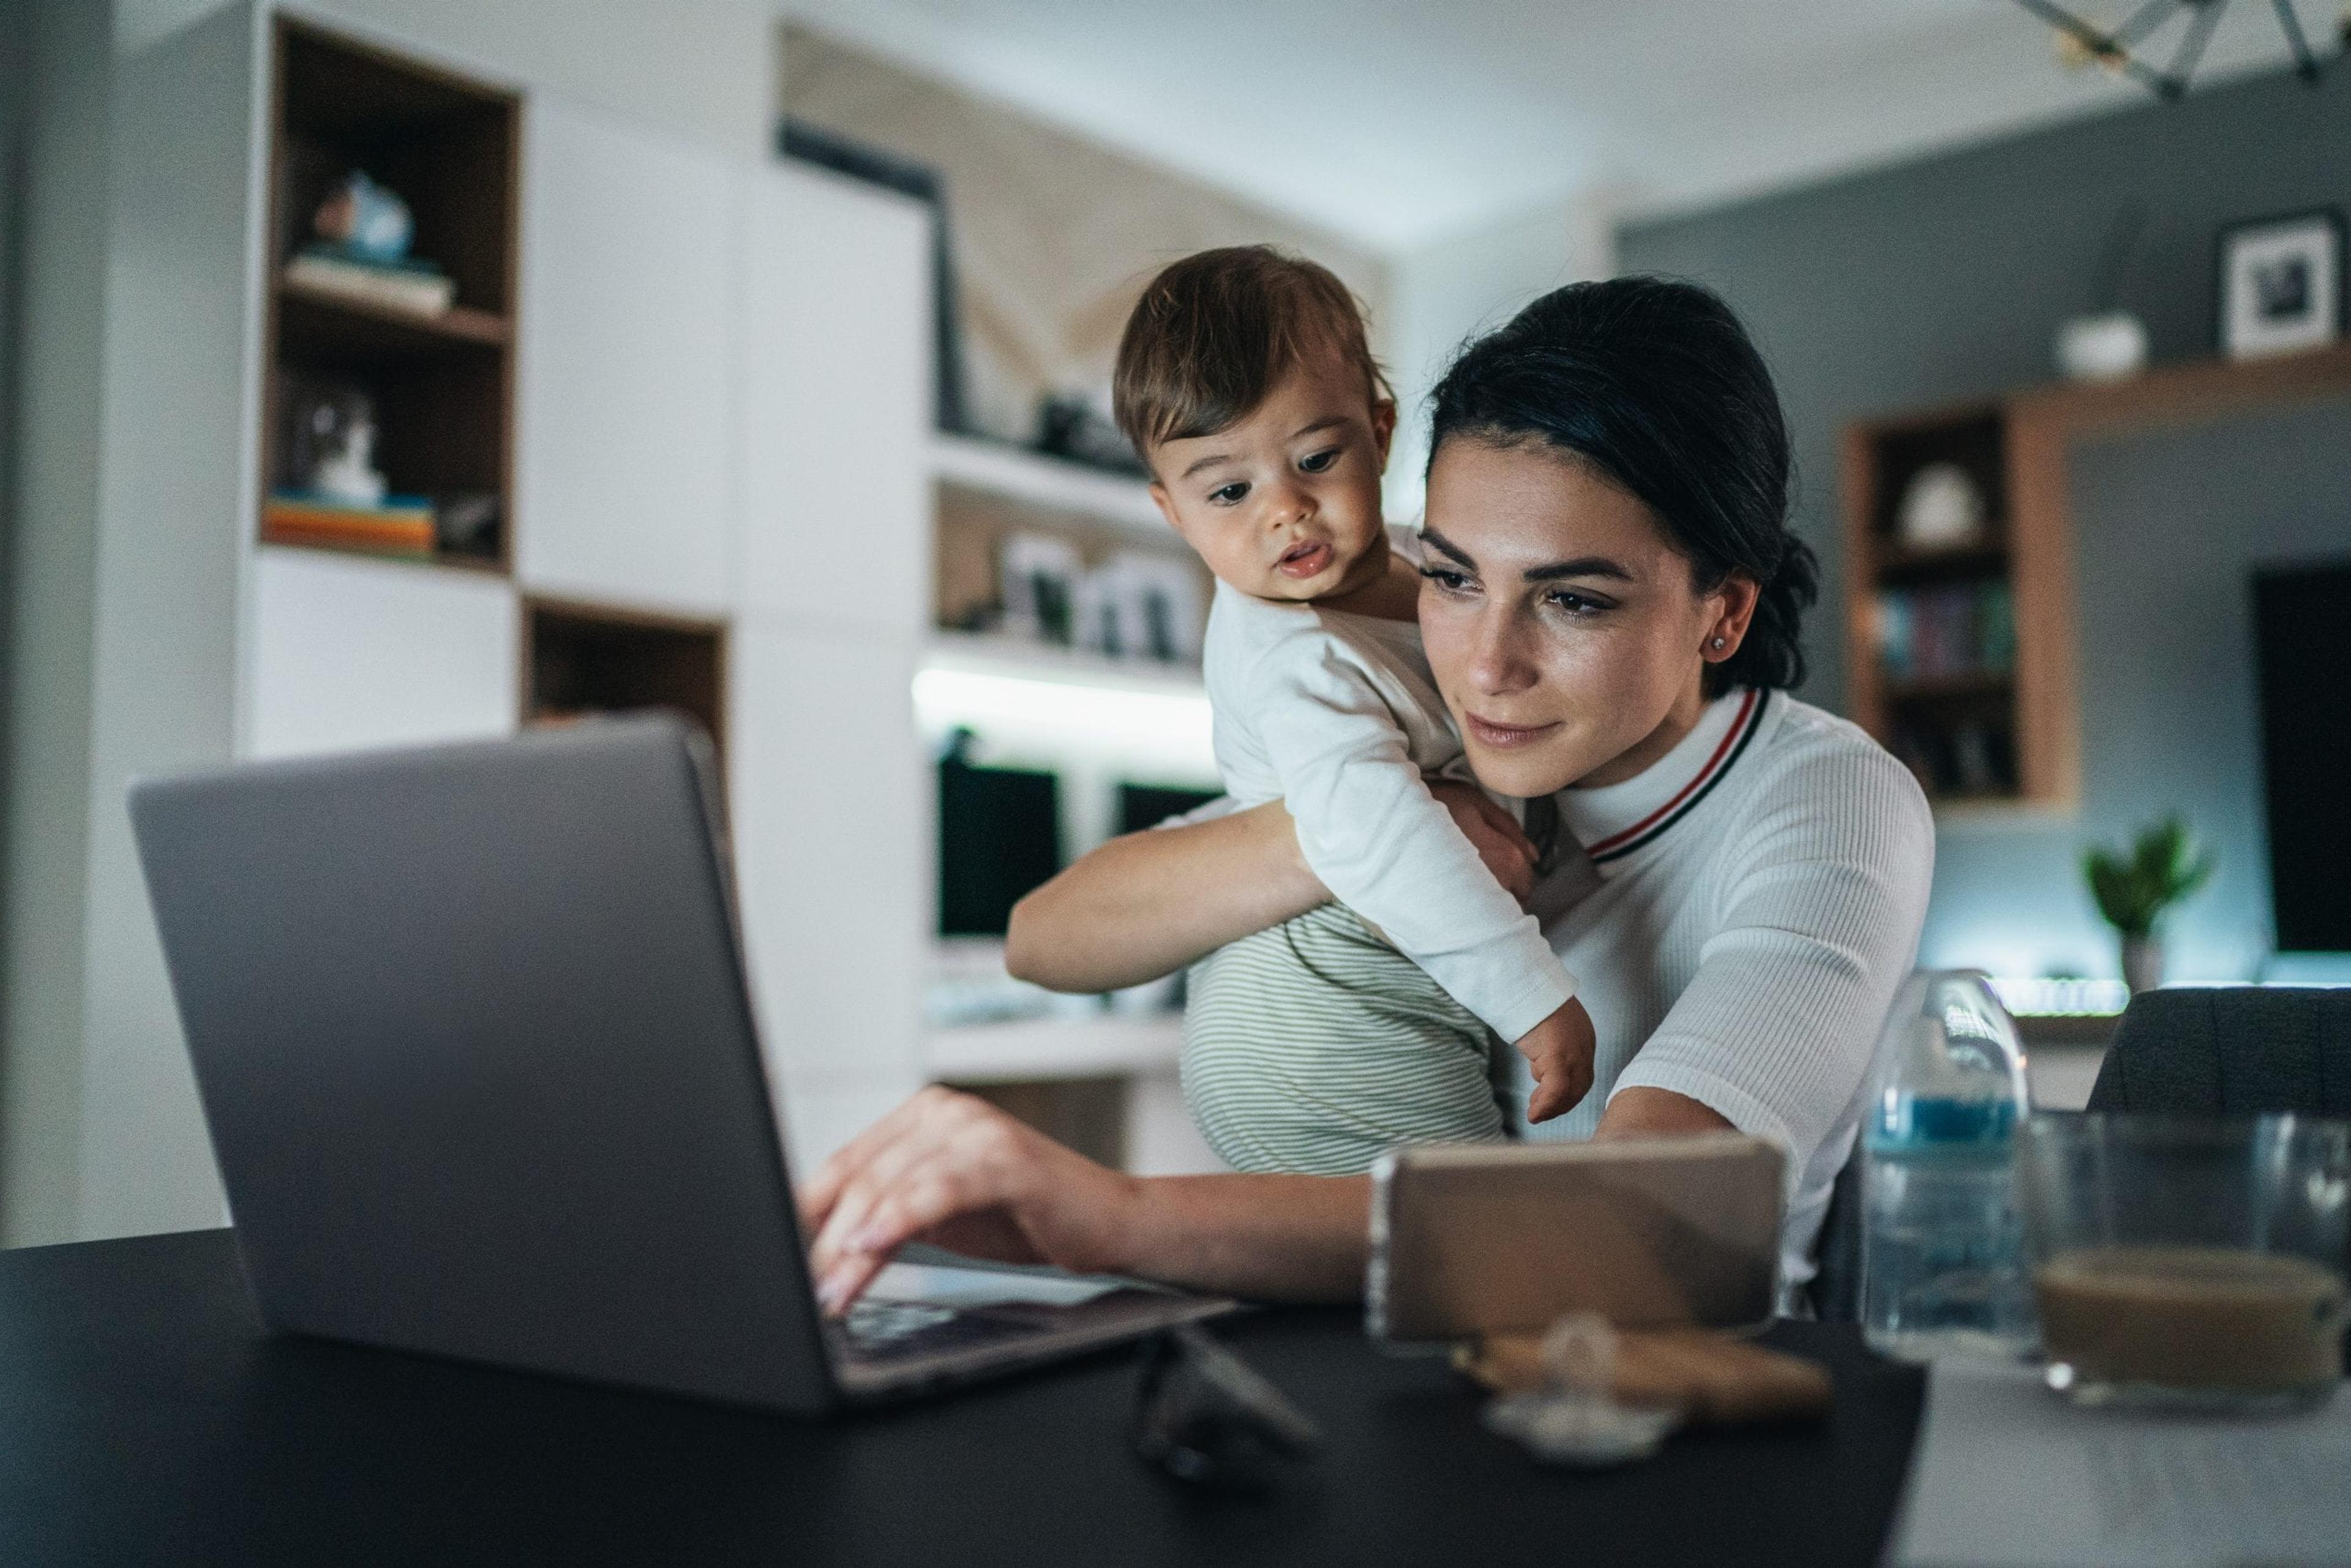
(1560, 1049)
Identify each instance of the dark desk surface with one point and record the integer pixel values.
(146, 1417)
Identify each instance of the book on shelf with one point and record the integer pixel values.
(399, 525)
(1943, 633)
(417, 288)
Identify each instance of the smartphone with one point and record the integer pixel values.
(1480, 1238)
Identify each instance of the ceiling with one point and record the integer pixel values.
(1401, 122)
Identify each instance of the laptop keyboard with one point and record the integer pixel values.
(893, 1331)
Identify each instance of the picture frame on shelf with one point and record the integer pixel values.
(1142, 606)
(1038, 577)
(2281, 284)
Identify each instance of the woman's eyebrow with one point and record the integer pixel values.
(1446, 548)
(1582, 566)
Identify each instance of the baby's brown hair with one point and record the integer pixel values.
(1214, 332)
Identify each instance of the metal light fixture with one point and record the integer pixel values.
(2121, 50)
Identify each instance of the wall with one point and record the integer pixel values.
(1944, 280)
(1054, 235)
(52, 572)
(695, 68)
(1442, 295)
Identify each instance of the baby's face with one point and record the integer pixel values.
(1285, 505)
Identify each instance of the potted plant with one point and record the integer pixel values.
(2136, 887)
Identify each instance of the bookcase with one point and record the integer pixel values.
(1948, 637)
(1996, 610)
(440, 382)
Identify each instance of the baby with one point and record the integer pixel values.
(1245, 380)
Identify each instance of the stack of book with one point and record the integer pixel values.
(417, 287)
(399, 525)
(1943, 633)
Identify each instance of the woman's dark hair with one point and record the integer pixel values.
(1653, 383)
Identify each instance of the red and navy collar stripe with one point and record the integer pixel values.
(1617, 845)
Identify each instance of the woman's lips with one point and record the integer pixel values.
(1502, 736)
(1303, 561)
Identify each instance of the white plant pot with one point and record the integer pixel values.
(2142, 963)
(2101, 348)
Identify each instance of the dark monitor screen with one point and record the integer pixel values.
(1142, 806)
(1000, 836)
(2305, 674)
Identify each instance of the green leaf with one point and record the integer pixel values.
(2135, 887)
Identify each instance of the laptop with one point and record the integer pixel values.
(470, 1028)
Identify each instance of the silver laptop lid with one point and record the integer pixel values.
(473, 1042)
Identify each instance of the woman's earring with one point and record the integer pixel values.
(1717, 643)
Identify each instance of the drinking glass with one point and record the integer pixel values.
(2188, 1261)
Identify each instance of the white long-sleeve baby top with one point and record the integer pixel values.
(1338, 716)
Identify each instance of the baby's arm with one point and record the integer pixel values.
(1389, 850)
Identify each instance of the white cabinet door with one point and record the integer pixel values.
(348, 653)
(831, 808)
(836, 402)
(625, 412)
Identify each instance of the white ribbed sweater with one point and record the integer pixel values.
(1747, 907)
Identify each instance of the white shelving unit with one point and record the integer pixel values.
(1106, 1046)
(1049, 483)
(1094, 720)
(1018, 658)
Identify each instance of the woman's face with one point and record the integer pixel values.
(1562, 625)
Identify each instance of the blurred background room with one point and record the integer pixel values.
(376, 372)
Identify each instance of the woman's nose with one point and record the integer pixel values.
(1497, 660)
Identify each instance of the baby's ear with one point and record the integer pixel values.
(1383, 417)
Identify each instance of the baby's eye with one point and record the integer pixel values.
(1315, 462)
(1229, 495)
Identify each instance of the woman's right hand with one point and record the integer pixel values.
(953, 1170)
(1501, 842)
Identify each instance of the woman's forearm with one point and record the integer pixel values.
(1268, 1238)
(1149, 903)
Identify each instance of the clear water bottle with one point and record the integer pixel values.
(1942, 1265)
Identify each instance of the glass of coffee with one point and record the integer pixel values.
(2189, 1262)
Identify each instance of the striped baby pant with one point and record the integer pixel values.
(1312, 1047)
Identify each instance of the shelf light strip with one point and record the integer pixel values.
(945, 697)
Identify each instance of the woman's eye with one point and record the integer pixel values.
(1229, 495)
(1575, 603)
(1447, 580)
(1314, 463)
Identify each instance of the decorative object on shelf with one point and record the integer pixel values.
(2136, 888)
(2082, 43)
(364, 221)
(2101, 348)
(2110, 343)
(467, 525)
(1076, 426)
(1140, 606)
(362, 252)
(330, 448)
(2282, 283)
(1039, 576)
(345, 470)
(1942, 508)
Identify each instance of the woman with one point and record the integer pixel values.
(1611, 605)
